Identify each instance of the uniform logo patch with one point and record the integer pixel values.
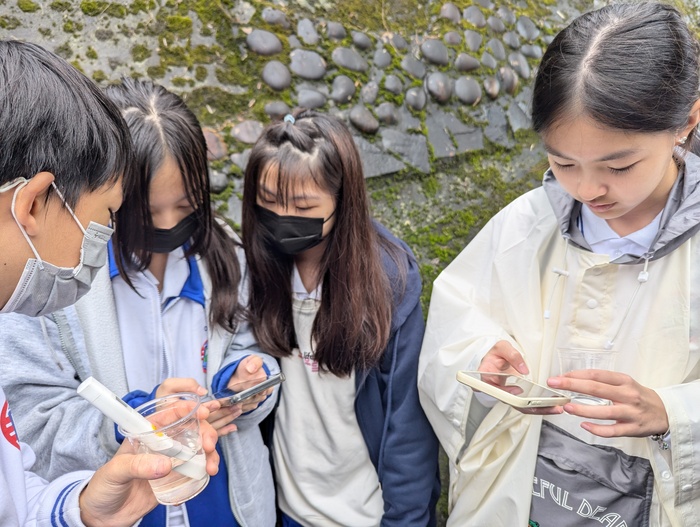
(8, 426)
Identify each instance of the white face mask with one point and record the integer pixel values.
(43, 287)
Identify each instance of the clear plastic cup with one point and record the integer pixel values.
(573, 359)
(175, 434)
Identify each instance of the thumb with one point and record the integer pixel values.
(123, 468)
(254, 364)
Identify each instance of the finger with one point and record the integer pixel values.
(588, 387)
(213, 463)
(209, 436)
(512, 356)
(213, 406)
(123, 468)
(252, 363)
(226, 430)
(610, 430)
(612, 378)
(178, 385)
(221, 422)
(588, 411)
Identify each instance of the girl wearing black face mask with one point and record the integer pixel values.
(336, 298)
(167, 317)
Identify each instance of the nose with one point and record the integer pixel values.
(165, 220)
(590, 187)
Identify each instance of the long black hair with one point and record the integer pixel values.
(162, 125)
(629, 67)
(353, 325)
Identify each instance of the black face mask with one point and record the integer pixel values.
(167, 240)
(291, 234)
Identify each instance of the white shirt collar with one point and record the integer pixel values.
(299, 289)
(604, 240)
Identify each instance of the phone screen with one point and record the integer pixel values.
(517, 385)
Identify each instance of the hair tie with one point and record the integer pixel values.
(289, 118)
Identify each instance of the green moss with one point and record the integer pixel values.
(28, 6)
(77, 66)
(117, 11)
(142, 6)
(9, 22)
(64, 51)
(201, 73)
(93, 7)
(206, 54)
(91, 53)
(60, 5)
(181, 82)
(45, 31)
(72, 26)
(99, 76)
(140, 52)
(225, 194)
(223, 105)
(179, 25)
(430, 186)
(156, 72)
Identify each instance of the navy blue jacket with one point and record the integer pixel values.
(399, 438)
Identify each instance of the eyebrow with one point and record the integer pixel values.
(609, 157)
(269, 192)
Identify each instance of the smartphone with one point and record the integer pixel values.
(514, 390)
(229, 397)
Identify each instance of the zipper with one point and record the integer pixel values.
(65, 348)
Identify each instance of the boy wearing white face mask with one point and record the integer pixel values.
(55, 125)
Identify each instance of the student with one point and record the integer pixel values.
(62, 143)
(164, 316)
(337, 299)
(603, 256)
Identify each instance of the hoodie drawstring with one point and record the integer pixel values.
(642, 278)
(559, 272)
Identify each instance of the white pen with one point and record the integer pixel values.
(133, 422)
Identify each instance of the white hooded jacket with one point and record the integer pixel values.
(499, 287)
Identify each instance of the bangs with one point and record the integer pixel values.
(287, 171)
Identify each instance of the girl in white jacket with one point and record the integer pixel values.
(604, 256)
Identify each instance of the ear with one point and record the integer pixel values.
(693, 120)
(30, 202)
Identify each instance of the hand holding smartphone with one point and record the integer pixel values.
(514, 390)
(243, 391)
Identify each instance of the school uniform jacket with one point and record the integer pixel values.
(44, 366)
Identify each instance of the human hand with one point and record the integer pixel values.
(637, 411)
(220, 418)
(504, 358)
(250, 372)
(119, 494)
(178, 385)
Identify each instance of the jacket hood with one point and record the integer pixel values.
(679, 221)
(406, 295)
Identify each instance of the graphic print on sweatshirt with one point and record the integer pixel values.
(8, 426)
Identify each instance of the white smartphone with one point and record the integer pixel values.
(514, 390)
(230, 397)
